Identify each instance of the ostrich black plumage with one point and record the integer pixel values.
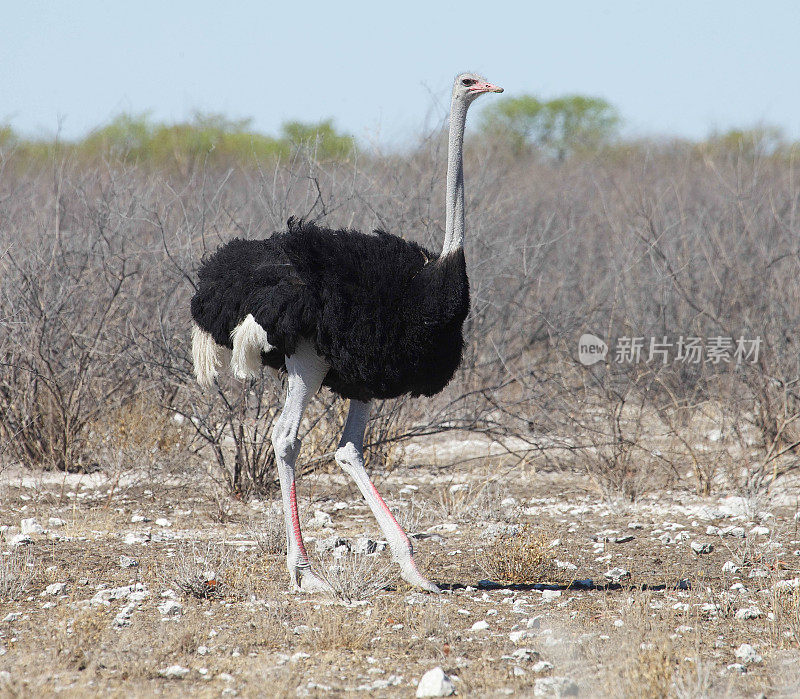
(368, 315)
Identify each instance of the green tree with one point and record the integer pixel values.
(322, 136)
(561, 126)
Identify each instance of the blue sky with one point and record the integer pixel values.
(382, 70)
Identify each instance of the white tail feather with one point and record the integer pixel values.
(249, 340)
(207, 356)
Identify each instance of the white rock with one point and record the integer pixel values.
(120, 593)
(701, 547)
(517, 636)
(566, 565)
(550, 595)
(127, 562)
(175, 672)
(616, 575)
(5, 677)
(479, 626)
(319, 520)
(542, 666)
(56, 523)
(299, 656)
(31, 526)
(123, 617)
(163, 522)
(170, 608)
(434, 683)
(786, 585)
(711, 530)
(730, 568)
(747, 654)
(555, 687)
(635, 525)
(55, 588)
(136, 538)
(135, 519)
(736, 532)
(366, 547)
(760, 531)
(20, 540)
(12, 616)
(748, 613)
(737, 667)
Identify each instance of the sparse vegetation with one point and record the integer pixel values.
(626, 463)
(521, 558)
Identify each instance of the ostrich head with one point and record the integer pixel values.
(469, 86)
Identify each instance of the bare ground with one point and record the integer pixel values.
(209, 592)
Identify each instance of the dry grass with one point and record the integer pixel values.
(269, 531)
(355, 577)
(522, 558)
(16, 573)
(649, 674)
(211, 570)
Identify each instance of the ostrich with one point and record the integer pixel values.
(369, 316)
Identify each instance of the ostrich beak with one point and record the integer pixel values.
(485, 87)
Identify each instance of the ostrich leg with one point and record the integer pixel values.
(306, 371)
(350, 456)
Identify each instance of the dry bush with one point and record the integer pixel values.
(334, 627)
(786, 608)
(79, 640)
(467, 502)
(16, 573)
(649, 240)
(211, 570)
(649, 674)
(522, 558)
(355, 577)
(269, 531)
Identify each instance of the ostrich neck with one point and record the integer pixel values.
(454, 220)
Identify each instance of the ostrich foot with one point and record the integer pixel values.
(412, 576)
(309, 582)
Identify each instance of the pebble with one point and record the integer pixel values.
(702, 547)
(135, 592)
(55, 588)
(12, 616)
(31, 526)
(170, 608)
(542, 666)
(366, 547)
(320, 520)
(555, 687)
(56, 522)
(517, 636)
(747, 654)
(760, 531)
(175, 672)
(127, 562)
(730, 568)
(736, 532)
(435, 683)
(748, 613)
(550, 595)
(480, 626)
(136, 538)
(616, 575)
(163, 522)
(20, 540)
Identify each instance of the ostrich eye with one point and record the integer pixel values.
(466, 82)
